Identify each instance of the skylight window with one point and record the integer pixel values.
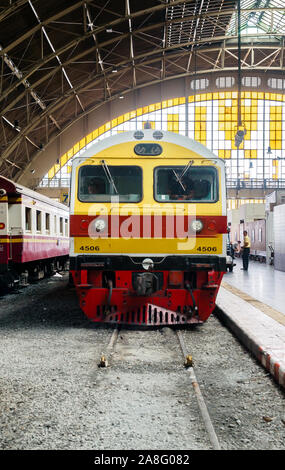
(259, 18)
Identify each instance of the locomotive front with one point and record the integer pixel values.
(148, 229)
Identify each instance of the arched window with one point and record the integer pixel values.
(276, 83)
(225, 82)
(252, 82)
(199, 84)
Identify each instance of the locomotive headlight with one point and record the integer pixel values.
(147, 264)
(100, 225)
(197, 225)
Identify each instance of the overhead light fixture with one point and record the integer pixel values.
(241, 130)
(109, 30)
(147, 125)
(114, 70)
(240, 136)
(32, 171)
(121, 97)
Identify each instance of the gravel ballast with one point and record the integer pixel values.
(53, 395)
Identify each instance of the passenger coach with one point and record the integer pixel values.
(34, 235)
(148, 229)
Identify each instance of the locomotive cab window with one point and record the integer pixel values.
(188, 184)
(102, 183)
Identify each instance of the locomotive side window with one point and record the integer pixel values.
(197, 184)
(102, 183)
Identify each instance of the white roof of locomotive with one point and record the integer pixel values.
(129, 136)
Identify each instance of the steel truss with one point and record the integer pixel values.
(64, 65)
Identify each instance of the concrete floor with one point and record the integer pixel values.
(261, 281)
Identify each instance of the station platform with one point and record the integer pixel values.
(252, 305)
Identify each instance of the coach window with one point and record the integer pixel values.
(28, 219)
(106, 183)
(185, 184)
(61, 226)
(38, 221)
(47, 222)
(55, 225)
(66, 227)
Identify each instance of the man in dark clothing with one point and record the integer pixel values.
(246, 250)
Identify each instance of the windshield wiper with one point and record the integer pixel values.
(185, 169)
(108, 175)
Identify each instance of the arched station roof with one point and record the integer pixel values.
(66, 64)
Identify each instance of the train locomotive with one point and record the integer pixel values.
(148, 229)
(34, 235)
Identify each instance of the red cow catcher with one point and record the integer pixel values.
(172, 303)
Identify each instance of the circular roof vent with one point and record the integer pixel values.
(157, 135)
(138, 135)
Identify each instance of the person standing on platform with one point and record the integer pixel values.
(245, 250)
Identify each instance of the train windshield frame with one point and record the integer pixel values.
(199, 184)
(110, 183)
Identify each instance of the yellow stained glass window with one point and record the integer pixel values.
(213, 119)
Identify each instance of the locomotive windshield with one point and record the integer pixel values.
(103, 183)
(197, 184)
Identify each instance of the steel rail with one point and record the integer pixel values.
(105, 355)
(202, 405)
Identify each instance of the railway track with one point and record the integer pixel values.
(200, 399)
(56, 397)
(109, 360)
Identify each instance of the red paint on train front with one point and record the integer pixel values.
(122, 304)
